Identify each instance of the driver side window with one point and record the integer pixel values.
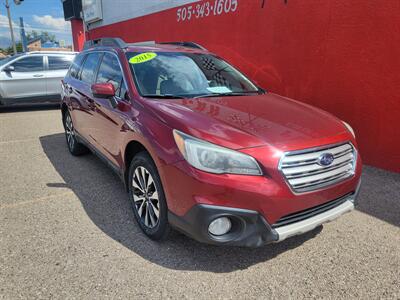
(110, 72)
(29, 64)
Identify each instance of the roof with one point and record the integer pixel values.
(35, 40)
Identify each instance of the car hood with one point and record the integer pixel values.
(249, 121)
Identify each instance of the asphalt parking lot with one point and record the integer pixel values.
(67, 231)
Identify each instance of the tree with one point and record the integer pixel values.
(48, 36)
(10, 49)
(44, 35)
(32, 35)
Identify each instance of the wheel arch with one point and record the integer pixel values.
(64, 109)
(131, 150)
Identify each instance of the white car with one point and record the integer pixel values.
(33, 77)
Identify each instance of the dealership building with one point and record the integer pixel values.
(339, 55)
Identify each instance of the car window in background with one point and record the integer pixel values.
(187, 75)
(60, 62)
(76, 66)
(90, 66)
(110, 71)
(29, 64)
(8, 59)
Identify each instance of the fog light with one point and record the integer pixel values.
(220, 226)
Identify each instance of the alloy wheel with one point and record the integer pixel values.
(146, 198)
(69, 131)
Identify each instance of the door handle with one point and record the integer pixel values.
(90, 102)
(38, 75)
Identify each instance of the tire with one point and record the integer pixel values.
(74, 146)
(147, 197)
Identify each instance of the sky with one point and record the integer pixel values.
(40, 15)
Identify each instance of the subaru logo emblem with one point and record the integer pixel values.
(325, 159)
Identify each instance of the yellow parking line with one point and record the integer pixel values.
(37, 200)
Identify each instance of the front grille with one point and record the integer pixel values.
(303, 172)
(310, 212)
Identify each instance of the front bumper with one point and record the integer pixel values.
(309, 224)
(249, 228)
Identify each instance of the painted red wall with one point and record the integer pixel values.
(77, 34)
(340, 55)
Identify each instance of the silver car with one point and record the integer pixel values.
(33, 77)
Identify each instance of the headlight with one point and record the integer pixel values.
(349, 128)
(215, 159)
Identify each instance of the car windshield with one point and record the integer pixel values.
(179, 74)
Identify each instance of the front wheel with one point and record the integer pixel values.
(147, 197)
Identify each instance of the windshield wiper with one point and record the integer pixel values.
(164, 96)
(224, 94)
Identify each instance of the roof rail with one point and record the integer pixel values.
(113, 42)
(117, 42)
(144, 43)
(185, 44)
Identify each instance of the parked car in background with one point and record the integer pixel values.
(203, 149)
(33, 77)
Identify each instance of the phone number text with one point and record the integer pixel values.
(205, 9)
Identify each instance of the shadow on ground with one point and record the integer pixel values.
(380, 195)
(105, 201)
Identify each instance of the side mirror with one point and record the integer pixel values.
(9, 69)
(103, 90)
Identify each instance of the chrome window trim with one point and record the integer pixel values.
(314, 149)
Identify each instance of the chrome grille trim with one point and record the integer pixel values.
(303, 173)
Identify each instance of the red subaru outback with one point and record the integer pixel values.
(203, 149)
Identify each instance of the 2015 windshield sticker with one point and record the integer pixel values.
(142, 57)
